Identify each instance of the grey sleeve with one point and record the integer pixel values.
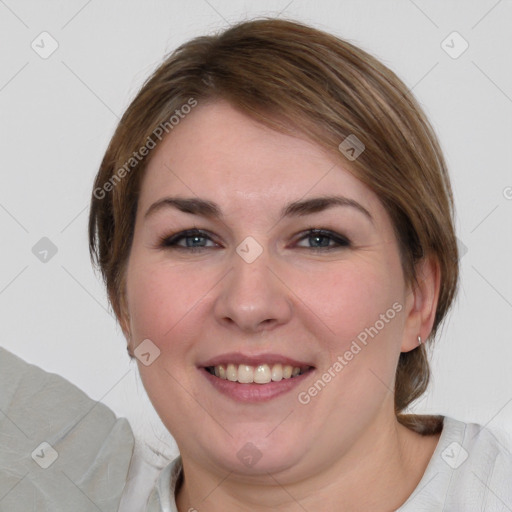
(59, 449)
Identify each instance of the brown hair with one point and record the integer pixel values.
(294, 78)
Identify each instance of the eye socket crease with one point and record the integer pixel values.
(300, 208)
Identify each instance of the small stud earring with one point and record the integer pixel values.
(419, 340)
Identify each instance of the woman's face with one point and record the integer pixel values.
(254, 295)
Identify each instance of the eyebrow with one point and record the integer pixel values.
(209, 209)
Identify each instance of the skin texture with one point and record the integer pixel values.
(345, 447)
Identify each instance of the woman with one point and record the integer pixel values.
(273, 220)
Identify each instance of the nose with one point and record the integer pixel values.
(253, 296)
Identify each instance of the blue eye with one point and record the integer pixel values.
(323, 239)
(196, 240)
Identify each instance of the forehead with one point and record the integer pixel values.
(219, 153)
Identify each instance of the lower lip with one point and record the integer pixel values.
(253, 393)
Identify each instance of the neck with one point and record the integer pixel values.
(379, 472)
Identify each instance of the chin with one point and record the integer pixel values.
(253, 455)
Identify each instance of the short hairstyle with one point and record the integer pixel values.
(298, 80)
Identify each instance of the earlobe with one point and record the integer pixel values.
(423, 299)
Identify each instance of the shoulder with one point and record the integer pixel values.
(471, 469)
(483, 466)
(57, 445)
(473, 447)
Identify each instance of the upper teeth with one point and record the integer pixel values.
(261, 374)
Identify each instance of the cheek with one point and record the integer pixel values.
(362, 307)
(164, 303)
(350, 299)
(160, 297)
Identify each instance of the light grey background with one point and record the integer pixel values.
(58, 114)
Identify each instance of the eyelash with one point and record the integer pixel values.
(171, 242)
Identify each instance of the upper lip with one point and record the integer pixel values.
(253, 360)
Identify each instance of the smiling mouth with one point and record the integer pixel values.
(260, 374)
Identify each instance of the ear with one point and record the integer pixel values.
(421, 302)
(123, 317)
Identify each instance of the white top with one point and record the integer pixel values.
(470, 471)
